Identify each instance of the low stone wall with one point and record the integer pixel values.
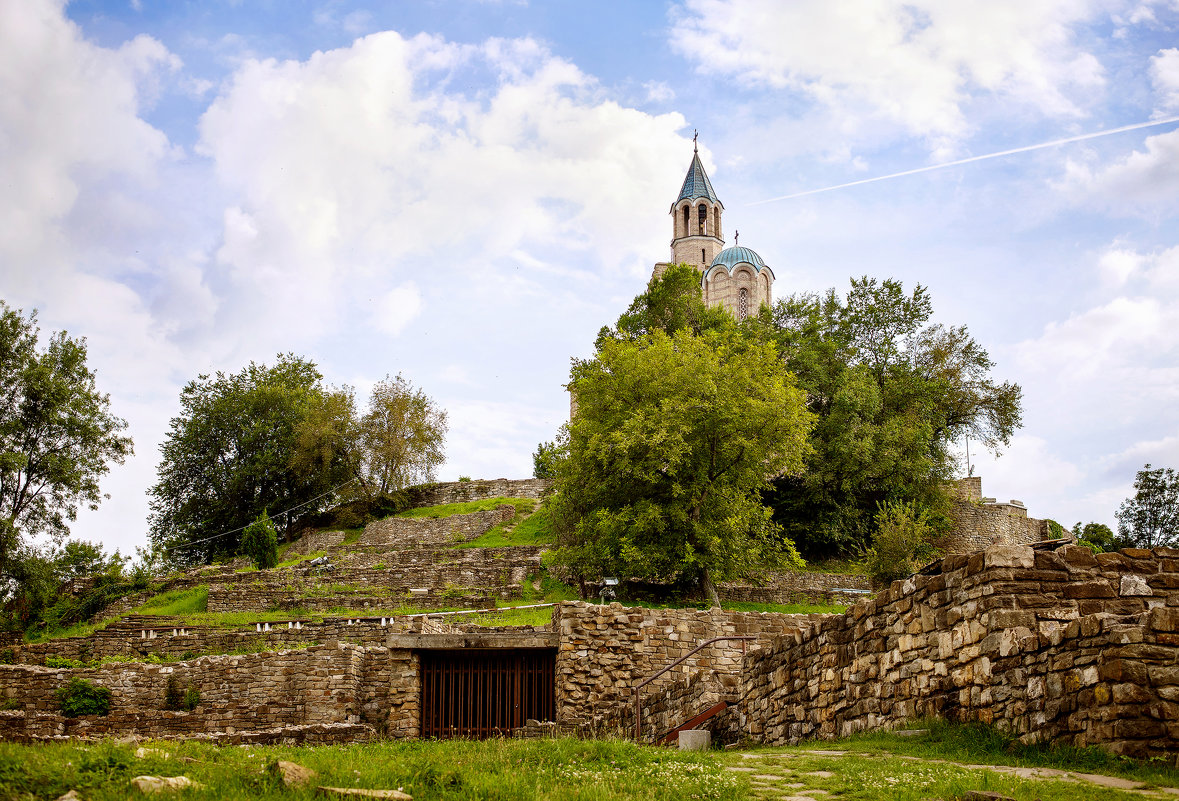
(254, 691)
(478, 490)
(605, 650)
(1057, 646)
(418, 532)
(165, 638)
(315, 541)
(788, 588)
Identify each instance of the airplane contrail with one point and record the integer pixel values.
(1053, 143)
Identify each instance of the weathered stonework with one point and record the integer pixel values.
(980, 522)
(478, 490)
(1051, 646)
(787, 588)
(605, 650)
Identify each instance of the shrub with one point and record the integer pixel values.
(7, 657)
(192, 698)
(9, 704)
(81, 697)
(464, 479)
(260, 542)
(62, 662)
(903, 541)
(175, 700)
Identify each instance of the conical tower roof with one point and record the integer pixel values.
(696, 183)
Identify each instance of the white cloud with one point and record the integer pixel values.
(913, 63)
(397, 309)
(659, 92)
(1164, 75)
(370, 165)
(1143, 182)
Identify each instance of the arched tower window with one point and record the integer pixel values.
(703, 220)
(743, 304)
(687, 222)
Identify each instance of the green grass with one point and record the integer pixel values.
(505, 770)
(526, 528)
(175, 602)
(790, 609)
(523, 505)
(980, 744)
(878, 766)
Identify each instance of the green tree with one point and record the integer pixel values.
(544, 460)
(1096, 536)
(1151, 516)
(661, 468)
(892, 394)
(57, 434)
(902, 542)
(234, 451)
(260, 542)
(672, 302)
(401, 437)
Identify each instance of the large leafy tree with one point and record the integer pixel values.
(58, 436)
(662, 466)
(401, 437)
(1151, 516)
(244, 443)
(892, 393)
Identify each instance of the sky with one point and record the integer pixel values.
(465, 191)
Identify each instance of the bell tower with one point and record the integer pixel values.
(696, 219)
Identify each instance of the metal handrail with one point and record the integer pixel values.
(638, 708)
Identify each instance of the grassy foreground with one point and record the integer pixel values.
(494, 769)
(943, 763)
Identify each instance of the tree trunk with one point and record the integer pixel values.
(709, 589)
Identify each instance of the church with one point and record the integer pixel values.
(735, 278)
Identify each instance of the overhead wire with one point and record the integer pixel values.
(276, 514)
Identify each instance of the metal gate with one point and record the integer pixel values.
(485, 693)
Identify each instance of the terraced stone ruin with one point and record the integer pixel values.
(1042, 639)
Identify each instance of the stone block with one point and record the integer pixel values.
(1134, 584)
(1089, 589)
(1077, 556)
(1165, 619)
(1019, 556)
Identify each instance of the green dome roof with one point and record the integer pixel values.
(731, 257)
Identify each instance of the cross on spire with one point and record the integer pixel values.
(695, 133)
(736, 236)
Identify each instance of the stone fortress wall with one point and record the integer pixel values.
(1059, 646)
(980, 522)
(1048, 642)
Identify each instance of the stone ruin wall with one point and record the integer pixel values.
(981, 522)
(605, 650)
(419, 532)
(1058, 646)
(324, 685)
(141, 638)
(788, 588)
(478, 490)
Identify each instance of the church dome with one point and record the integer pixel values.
(731, 257)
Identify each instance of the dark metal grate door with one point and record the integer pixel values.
(485, 693)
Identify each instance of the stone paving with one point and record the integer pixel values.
(772, 777)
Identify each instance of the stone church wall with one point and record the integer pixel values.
(1058, 646)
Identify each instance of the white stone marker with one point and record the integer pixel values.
(695, 740)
